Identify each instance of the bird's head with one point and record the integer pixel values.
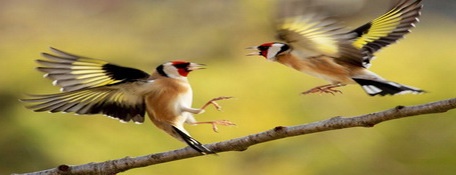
(270, 50)
(177, 69)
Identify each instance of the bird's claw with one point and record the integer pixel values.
(324, 89)
(221, 122)
(216, 105)
(217, 122)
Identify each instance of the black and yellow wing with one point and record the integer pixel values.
(313, 34)
(389, 27)
(124, 101)
(73, 72)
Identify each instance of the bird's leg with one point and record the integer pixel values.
(215, 123)
(201, 110)
(325, 89)
(193, 110)
(217, 106)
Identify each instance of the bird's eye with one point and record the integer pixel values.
(181, 65)
(263, 48)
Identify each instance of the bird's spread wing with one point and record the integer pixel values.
(388, 28)
(314, 35)
(124, 102)
(73, 72)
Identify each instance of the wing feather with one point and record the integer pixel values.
(313, 35)
(389, 27)
(73, 72)
(122, 102)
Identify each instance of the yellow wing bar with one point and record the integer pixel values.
(311, 32)
(73, 72)
(111, 101)
(314, 34)
(319, 36)
(388, 28)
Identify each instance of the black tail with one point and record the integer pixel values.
(383, 87)
(193, 143)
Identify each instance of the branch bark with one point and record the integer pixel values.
(242, 143)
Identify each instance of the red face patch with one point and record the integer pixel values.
(264, 49)
(264, 53)
(267, 44)
(183, 72)
(182, 67)
(179, 62)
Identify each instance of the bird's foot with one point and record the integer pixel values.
(217, 122)
(217, 106)
(325, 89)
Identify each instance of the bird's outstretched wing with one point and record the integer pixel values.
(124, 101)
(389, 27)
(313, 34)
(73, 72)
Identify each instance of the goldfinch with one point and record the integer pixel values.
(93, 86)
(318, 46)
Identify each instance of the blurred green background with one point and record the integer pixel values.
(145, 33)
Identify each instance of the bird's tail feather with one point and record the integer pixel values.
(193, 143)
(383, 87)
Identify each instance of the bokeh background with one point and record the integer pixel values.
(144, 34)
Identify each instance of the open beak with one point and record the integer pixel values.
(195, 66)
(253, 53)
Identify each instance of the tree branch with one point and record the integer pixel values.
(242, 143)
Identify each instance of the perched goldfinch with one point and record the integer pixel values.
(92, 86)
(318, 46)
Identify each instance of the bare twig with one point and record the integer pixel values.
(242, 143)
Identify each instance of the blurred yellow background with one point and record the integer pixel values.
(144, 34)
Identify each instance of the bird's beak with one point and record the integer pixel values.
(196, 66)
(253, 53)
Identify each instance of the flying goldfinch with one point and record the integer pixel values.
(92, 86)
(318, 46)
